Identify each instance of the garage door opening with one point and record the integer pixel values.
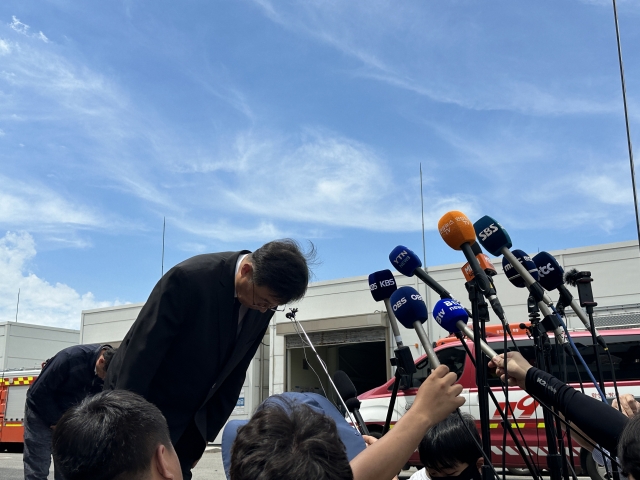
(365, 364)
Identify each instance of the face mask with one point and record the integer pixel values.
(469, 473)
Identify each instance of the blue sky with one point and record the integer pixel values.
(241, 121)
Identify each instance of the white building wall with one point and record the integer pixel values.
(347, 304)
(25, 346)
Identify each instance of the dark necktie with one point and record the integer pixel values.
(236, 309)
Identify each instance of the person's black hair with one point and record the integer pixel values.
(281, 266)
(111, 435)
(629, 448)
(290, 442)
(107, 353)
(448, 443)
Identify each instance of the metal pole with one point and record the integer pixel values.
(424, 252)
(163, 230)
(626, 120)
(17, 305)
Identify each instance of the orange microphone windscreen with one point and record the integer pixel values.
(455, 229)
(485, 264)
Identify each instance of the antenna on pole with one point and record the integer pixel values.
(17, 305)
(164, 225)
(424, 247)
(626, 119)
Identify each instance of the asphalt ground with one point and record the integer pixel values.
(209, 467)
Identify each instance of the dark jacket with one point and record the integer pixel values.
(65, 381)
(182, 354)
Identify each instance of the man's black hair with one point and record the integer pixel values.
(448, 443)
(107, 353)
(281, 266)
(629, 448)
(290, 442)
(113, 434)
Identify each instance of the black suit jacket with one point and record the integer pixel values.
(182, 353)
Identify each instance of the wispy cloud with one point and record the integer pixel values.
(41, 302)
(369, 34)
(316, 177)
(23, 28)
(35, 206)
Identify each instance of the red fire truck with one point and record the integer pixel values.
(13, 393)
(624, 346)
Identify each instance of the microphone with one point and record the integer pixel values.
(495, 240)
(411, 312)
(453, 318)
(485, 263)
(551, 278)
(409, 264)
(347, 390)
(526, 261)
(382, 285)
(457, 231)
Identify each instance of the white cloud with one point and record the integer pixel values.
(4, 47)
(317, 177)
(41, 302)
(23, 28)
(18, 26)
(368, 33)
(35, 206)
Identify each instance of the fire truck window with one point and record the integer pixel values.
(452, 357)
(625, 356)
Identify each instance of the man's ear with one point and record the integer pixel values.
(162, 463)
(246, 269)
(479, 463)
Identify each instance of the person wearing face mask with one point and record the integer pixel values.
(448, 450)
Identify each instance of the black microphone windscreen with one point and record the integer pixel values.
(352, 404)
(571, 276)
(345, 386)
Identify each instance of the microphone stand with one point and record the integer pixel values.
(585, 294)
(403, 361)
(555, 462)
(480, 315)
(506, 423)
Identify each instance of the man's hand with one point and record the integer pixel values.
(439, 395)
(517, 368)
(630, 406)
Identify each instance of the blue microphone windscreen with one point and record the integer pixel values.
(404, 260)
(382, 284)
(491, 235)
(408, 306)
(447, 312)
(513, 275)
(549, 270)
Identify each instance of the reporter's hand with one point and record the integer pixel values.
(439, 395)
(630, 406)
(517, 368)
(369, 440)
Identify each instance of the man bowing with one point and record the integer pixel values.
(199, 330)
